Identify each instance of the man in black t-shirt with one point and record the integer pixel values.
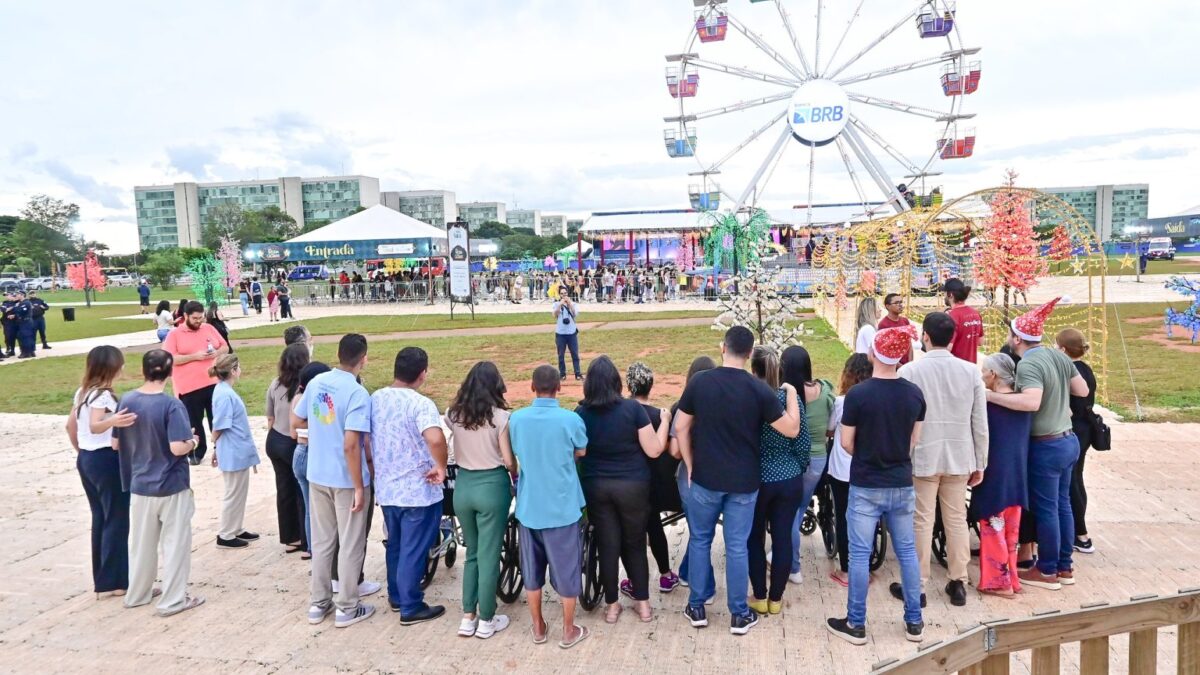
(720, 419)
(881, 422)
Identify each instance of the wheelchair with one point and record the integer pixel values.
(939, 533)
(819, 514)
(593, 591)
(449, 534)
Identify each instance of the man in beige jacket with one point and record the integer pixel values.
(952, 451)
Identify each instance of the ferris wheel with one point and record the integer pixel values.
(850, 91)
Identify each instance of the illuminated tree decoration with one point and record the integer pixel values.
(94, 279)
(1007, 256)
(1190, 317)
(730, 243)
(230, 257)
(759, 306)
(208, 279)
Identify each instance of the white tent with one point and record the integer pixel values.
(377, 222)
(573, 250)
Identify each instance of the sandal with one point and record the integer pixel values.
(610, 616)
(292, 548)
(542, 639)
(844, 583)
(583, 635)
(306, 555)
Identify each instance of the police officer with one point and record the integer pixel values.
(10, 321)
(39, 316)
(26, 333)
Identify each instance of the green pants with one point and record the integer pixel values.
(481, 500)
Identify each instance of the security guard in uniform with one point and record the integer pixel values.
(39, 316)
(10, 322)
(26, 333)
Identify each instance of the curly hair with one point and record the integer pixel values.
(640, 379)
(479, 394)
(857, 369)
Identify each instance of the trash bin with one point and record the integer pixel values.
(68, 313)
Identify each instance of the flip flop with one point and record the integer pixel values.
(615, 617)
(583, 635)
(540, 640)
(306, 556)
(292, 548)
(839, 581)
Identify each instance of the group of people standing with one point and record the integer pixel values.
(23, 316)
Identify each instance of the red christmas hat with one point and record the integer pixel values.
(892, 344)
(1030, 325)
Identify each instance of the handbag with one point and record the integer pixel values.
(1101, 433)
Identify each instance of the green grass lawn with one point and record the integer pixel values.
(1180, 265)
(1165, 375)
(399, 322)
(46, 386)
(119, 294)
(91, 322)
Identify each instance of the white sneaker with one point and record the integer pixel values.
(489, 628)
(368, 588)
(796, 577)
(467, 627)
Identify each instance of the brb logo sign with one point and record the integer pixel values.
(818, 112)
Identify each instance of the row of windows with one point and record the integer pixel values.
(245, 190)
(330, 185)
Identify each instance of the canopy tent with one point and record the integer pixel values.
(572, 250)
(377, 232)
(376, 222)
(675, 221)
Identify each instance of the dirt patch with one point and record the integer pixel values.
(1181, 342)
(651, 350)
(1145, 320)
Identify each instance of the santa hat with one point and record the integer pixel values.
(892, 344)
(1030, 325)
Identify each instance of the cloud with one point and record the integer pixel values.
(87, 187)
(1058, 147)
(193, 160)
(306, 145)
(1148, 153)
(22, 151)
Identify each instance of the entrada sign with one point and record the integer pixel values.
(333, 250)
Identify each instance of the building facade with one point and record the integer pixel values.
(436, 207)
(1109, 208)
(530, 218)
(478, 213)
(174, 215)
(573, 226)
(552, 225)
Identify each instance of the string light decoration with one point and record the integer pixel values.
(208, 279)
(913, 253)
(759, 306)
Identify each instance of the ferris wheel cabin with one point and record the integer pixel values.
(712, 23)
(705, 199)
(680, 142)
(956, 146)
(685, 86)
(933, 23)
(955, 82)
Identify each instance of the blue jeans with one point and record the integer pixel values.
(736, 511)
(867, 506)
(564, 342)
(245, 300)
(684, 491)
(816, 467)
(300, 468)
(1050, 467)
(411, 532)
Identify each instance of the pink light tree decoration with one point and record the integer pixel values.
(230, 258)
(86, 276)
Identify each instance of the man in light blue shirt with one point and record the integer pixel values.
(546, 439)
(566, 334)
(409, 450)
(338, 412)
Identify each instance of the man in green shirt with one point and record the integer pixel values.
(1046, 379)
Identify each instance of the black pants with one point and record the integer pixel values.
(288, 503)
(617, 509)
(841, 504)
(40, 324)
(100, 472)
(199, 404)
(776, 506)
(1078, 490)
(10, 336)
(285, 307)
(257, 303)
(369, 495)
(658, 542)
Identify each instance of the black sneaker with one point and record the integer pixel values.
(915, 632)
(740, 625)
(231, 543)
(246, 535)
(430, 613)
(393, 606)
(1085, 546)
(843, 629)
(1027, 564)
(696, 615)
(957, 593)
(898, 592)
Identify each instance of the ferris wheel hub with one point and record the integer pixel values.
(818, 111)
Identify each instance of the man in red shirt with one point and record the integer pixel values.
(894, 304)
(195, 345)
(968, 325)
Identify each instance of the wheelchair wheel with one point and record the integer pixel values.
(825, 518)
(592, 592)
(431, 562)
(879, 550)
(451, 553)
(808, 523)
(510, 565)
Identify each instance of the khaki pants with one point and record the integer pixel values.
(233, 505)
(334, 526)
(951, 491)
(154, 521)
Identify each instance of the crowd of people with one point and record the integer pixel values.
(745, 446)
(23, 316)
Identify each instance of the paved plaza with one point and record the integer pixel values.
(1144, 501)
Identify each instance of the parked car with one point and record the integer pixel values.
(10, 286)
(39, 284)
(308, 273)
(122, 280)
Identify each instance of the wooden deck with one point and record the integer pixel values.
(1145, 497)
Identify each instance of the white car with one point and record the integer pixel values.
(122, 280)
(39, 284)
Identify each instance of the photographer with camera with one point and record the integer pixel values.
(566, 334)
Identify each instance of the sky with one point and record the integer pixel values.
(559, 105)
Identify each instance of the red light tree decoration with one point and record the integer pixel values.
(230, 258)
(86, 276)
(1060, 245)
(1007, 255)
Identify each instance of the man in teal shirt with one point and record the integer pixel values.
(546, 439)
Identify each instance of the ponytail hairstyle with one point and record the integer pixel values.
(764, 363)
(223, 366)
(103, 365)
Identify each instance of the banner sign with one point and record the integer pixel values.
(459, 240)
(1176, 226)
(342, 250)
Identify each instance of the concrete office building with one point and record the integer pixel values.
(552, 225)
(478, 213)
(530, 218)
(174, 215)
(436, 207)
(573, 226)
(1109, 208)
